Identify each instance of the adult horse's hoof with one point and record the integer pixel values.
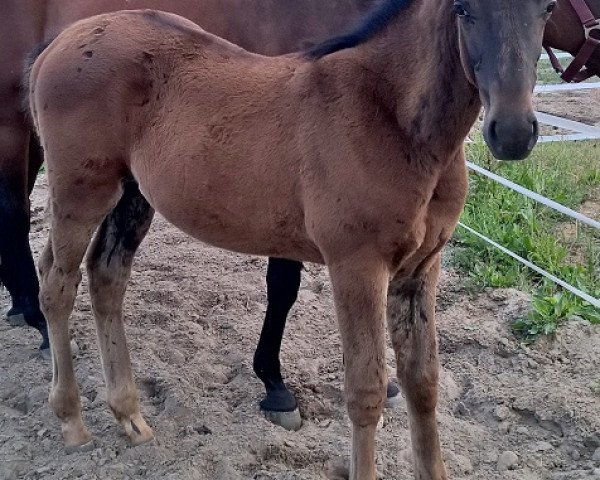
(289, 420)
(280, 407)
(394, 397)
(46, 354)
(45, 346)
(15, 318)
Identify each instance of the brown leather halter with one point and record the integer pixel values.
(576, 72)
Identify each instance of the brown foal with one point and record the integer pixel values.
(350, 154)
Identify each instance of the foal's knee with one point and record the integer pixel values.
(365, 406)
(45, 261)
(64, 402)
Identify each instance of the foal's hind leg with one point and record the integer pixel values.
(76, 212)
(109, 266)
(411, 320)
(60, 277)
(360, 287)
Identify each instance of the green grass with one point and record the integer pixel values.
(546, 73)
(566, 172)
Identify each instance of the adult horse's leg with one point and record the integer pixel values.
(36, 158)
(17, 269)
(109, 267)
(279, 405)
(360, 287)
(411, 320)
(283, 283)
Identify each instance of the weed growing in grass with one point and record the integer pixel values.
(546, 73)
(565, 172)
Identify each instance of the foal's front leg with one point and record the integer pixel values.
(360, 287)
(411, 320)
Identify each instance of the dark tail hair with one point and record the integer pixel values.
(26, 78)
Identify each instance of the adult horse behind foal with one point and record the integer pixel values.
(359, 141)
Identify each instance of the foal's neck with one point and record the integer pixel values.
(418, 56)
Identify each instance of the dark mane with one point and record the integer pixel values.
(371, 24)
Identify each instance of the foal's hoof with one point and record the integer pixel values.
(77, 438)
(394, 395)
(288, 420)
(137, 430)
(86, 447)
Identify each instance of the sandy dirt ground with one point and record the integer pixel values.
(193, 316)
(579, 105)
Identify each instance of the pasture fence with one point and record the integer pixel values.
(583, 132)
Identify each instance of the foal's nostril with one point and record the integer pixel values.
(535, 130)
(492, 130)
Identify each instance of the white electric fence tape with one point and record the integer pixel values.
(536, 196)
(549, 203)
(574, 290)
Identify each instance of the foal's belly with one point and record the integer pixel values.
(231, 212)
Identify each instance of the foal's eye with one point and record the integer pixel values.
(460, 9)
(551, 6)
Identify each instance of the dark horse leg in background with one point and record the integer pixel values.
(17, 170)
(283, 283)
(17, 269)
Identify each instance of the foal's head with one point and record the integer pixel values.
(500, 43)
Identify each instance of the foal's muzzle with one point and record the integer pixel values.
(511, 137)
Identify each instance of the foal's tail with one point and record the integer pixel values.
(26, 78)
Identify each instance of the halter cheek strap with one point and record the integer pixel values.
(576, 72)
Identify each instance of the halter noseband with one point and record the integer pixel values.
(576, 72)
